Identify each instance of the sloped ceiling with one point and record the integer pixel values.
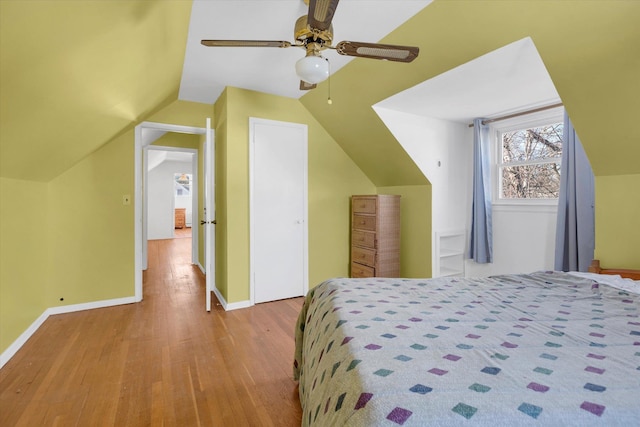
(590, 48)
(73, 74)
(488, 86)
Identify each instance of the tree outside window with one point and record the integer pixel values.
(529, 164)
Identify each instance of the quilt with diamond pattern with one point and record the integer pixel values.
(546, 348)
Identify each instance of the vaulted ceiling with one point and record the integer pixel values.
(75, 74)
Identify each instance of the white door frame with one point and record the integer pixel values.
(305, 237)
(145, 133)
(209, 220)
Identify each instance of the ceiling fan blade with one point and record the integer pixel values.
(378, 51)
(306, 86)
(321, 13)
(245, 43)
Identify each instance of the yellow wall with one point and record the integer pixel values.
(415, 223)
(590, 49)
(72, 238)
(333, 178)
(91, 230)
(86, 253)
(618, 221)
(23, 255)
(178, 140)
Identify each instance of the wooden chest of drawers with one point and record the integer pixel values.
(375, 236)
(180, 217)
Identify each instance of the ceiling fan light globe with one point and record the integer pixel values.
(312, 69)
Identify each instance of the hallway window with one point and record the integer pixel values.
(182, 184)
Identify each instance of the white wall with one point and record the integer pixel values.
(443, 151)
(523, 241)
(523, 236)
(161, 202)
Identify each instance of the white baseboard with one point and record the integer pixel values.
(201, 268)
(90, 305)
(230, 306)
(225, 305)
(22, 339)
(19, 342)
(237, 305)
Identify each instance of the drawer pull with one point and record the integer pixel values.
(362, 222)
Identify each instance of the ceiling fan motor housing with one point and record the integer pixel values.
(303, 33)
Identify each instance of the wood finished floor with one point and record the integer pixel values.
(164, 361)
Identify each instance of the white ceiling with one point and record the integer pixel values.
(512, 77)
(156, 157)
(208, 70)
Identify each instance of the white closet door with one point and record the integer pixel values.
(278, 162)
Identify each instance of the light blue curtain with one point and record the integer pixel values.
(575, 229)
(481, 250)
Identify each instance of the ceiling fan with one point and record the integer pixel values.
(314, 33)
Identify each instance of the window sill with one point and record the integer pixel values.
(539, 206)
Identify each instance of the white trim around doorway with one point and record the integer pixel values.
(145, 133)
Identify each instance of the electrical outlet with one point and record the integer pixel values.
(126, 199)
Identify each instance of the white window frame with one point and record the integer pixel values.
(497, 128)
(175, 192)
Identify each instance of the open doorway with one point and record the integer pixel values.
(149, 138)
(171, 197)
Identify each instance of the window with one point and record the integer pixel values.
(528, 159)
(182, 184)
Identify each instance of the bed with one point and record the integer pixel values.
(547, 348)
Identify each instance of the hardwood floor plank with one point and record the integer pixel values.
(163, 361)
